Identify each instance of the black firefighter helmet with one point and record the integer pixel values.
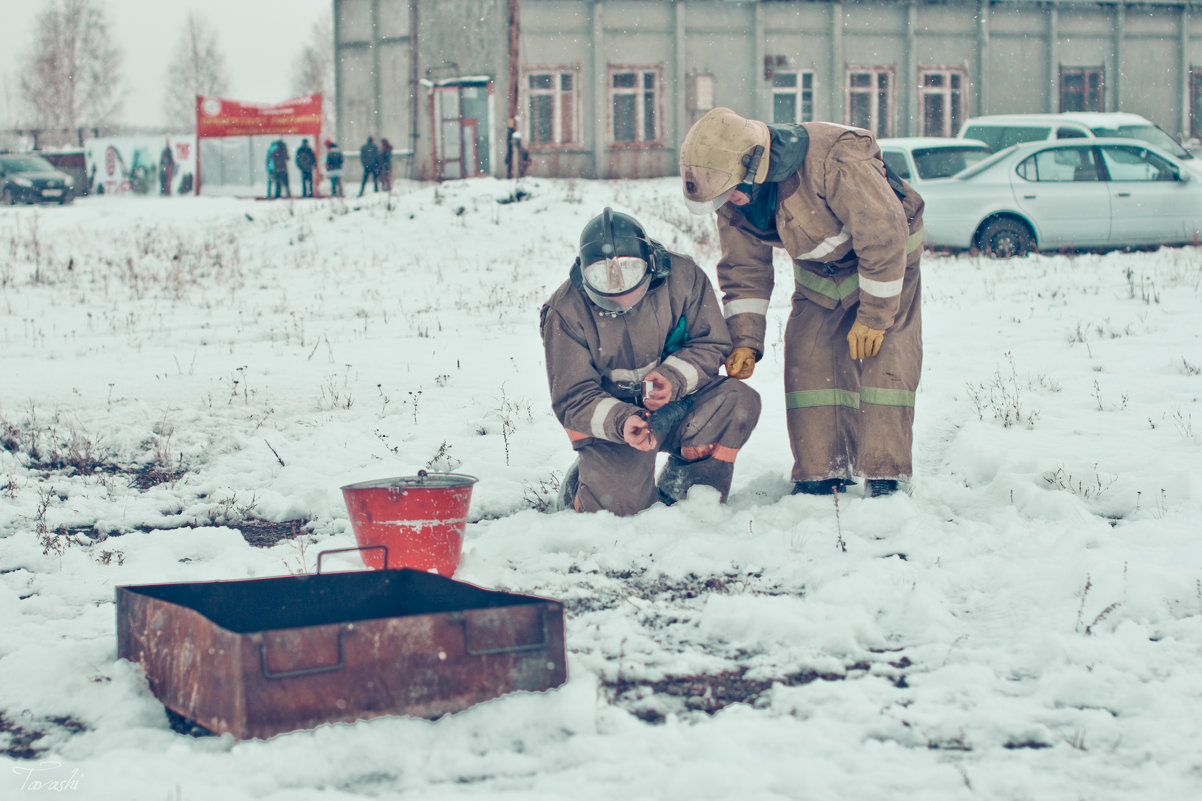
(618, 263)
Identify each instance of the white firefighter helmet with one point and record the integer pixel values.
(721, 151)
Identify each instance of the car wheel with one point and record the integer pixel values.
(8, 197)
(1006, 238)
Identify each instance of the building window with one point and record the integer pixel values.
(792, 96)
(699, 93)
(1081, 89)
(870, 99)
(634, 103)
(941, 95)
(552, 106)
(1195, 103)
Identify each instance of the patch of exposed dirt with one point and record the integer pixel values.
(265, 533)
(637, 584)
(255, 530)
(709, 693)
(152, 475)
(21, 742)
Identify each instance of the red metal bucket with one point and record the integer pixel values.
(418, 519)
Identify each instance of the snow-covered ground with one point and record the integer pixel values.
(1024, 622)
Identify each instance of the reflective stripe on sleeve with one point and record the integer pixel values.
(914, 242)
(691, 375)
(826, 247)
(600, 412)
(631, 377)
(881, 289)
(745, 306)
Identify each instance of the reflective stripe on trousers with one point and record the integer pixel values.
(807, 399)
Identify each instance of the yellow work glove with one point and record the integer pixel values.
(740, 363)
(863, 341)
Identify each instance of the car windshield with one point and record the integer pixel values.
(26, 164)
(1146, 133)
(941, 162)
(999, 137)
(982, 165)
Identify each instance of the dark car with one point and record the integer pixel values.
(32, 179)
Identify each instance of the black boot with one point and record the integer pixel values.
(825, 486)
(880, 487)
(678, 475)
(568, 487)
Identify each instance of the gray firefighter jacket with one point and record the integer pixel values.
(840, 220)
(596, 361)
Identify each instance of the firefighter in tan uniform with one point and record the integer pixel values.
(853, 229)
(633, 341)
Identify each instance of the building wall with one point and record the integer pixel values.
(1011, 52)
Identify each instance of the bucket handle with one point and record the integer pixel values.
(344, 550)
(287, 674)
(505, 649)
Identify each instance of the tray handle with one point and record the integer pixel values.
(384, 548)
(287, 674)
(505, 649)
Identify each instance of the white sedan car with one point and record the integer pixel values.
(919, 159)
(1064, 195)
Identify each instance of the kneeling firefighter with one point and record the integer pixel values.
(634, 339)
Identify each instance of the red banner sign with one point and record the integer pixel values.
(217, 116)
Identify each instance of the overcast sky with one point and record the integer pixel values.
(260, 39)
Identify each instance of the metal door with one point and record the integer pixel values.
(461, 112)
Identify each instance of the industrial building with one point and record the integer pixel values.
(607, 88)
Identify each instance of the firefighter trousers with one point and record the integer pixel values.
(848, 417)
(617, 478)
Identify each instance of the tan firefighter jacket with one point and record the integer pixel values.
(596, 360)
(850, 237)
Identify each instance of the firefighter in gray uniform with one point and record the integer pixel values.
(634, 339)
(853, 342)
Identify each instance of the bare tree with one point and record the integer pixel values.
(313, 69)
(71, 77)
(198, 68)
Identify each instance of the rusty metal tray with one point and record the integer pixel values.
(256, 658)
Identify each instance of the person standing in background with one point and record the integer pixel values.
(306, 160)
(166, 169)
(279, 166)
(369, 158)
(334, 168)
(385, 162)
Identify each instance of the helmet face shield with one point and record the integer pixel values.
(615, 265)
(615, 276)
(706, 206)
(616, 284)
